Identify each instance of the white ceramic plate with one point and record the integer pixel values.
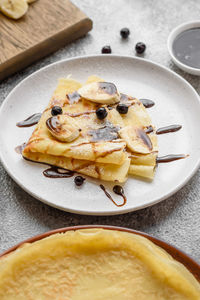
(176, 103)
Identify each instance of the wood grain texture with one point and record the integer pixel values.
(47, 26)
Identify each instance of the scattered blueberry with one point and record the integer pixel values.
(106, 49)
(140, 47)
(79, 180)
(124, 32)
(101, 113)
(56, 110)
(122, 108)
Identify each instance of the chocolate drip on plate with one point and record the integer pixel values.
(170, 158)
(118, 191)
(167, 129)
(30, 121)
(147, 103)
(56, 172)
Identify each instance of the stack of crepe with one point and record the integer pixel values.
(107, 149)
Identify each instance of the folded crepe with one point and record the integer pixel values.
(107, 149)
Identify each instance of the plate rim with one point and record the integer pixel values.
(175, 252)
(91, 212)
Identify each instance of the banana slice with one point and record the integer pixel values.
(136, 139)
(100, 92)
(63, 128)
(14, 9)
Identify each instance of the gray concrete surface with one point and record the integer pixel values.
(177, 219)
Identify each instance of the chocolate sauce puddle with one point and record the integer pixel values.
(117, 190)
(30, 121)
(170, 158)
(167, 129)
(19, 149)
(56, 172)
(147, 103)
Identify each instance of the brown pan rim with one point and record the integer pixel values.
(176, 253)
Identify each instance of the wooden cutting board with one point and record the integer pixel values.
(47, 26)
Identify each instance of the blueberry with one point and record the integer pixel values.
(124, 32)
(56, 110)
(122, 108)
(140, 47)
(106, 49)
(101, 113)
(79, 180)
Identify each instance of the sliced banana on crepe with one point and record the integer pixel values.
(63, 128)
(14, 9)
(100, 92)
(136, 139)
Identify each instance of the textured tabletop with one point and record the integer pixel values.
(175, 220)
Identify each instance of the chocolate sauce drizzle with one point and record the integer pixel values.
(170, 158)
(107, 87)
(53, 124)
(117, 190)
(105, 133)
(73, 97)
(149, 129)
(19, 149)
(147, 103)
(125, 98)
(142, 134)
(30, 121)
(167, 129)
(56, 172)
(162, 130)
(81, 113)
